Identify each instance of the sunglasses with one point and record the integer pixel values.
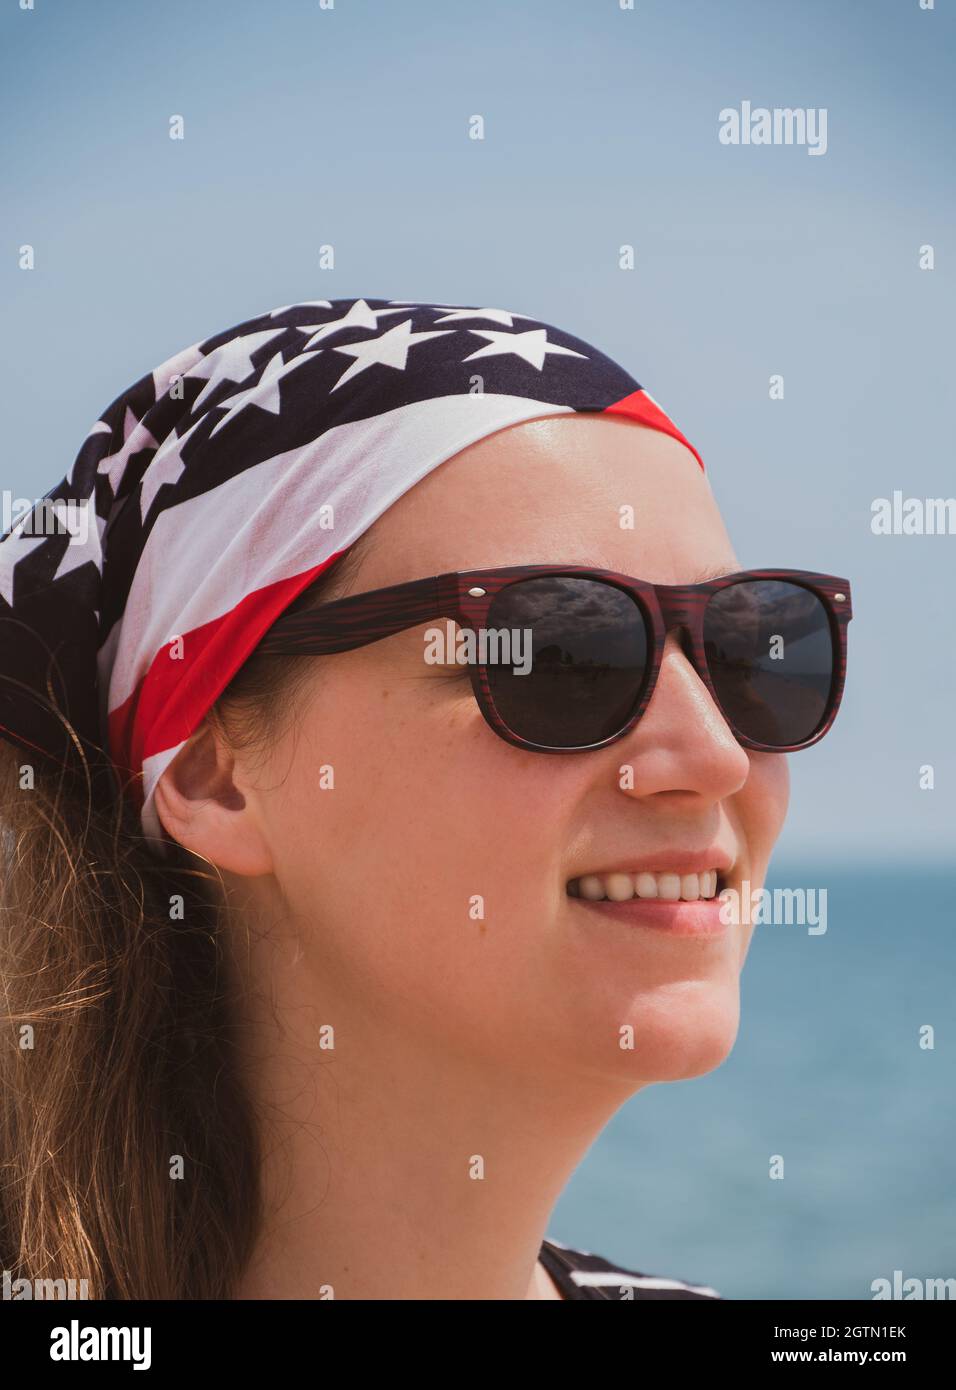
(769, 645)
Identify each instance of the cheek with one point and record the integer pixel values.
(762, 809)
(421, 870)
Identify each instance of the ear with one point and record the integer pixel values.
(200, 805)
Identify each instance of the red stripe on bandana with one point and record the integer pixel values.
(639, 406)
(171, 700)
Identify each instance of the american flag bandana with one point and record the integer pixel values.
(214, 490)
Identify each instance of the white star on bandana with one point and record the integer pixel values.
(358, 316)
(24, 544)
(166, 466)
(265, 392)
(532, 345)
(230, 362)
(391, 350)
(135, 437)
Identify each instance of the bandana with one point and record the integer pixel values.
(217, 487)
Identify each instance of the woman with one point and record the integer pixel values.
(332, 943)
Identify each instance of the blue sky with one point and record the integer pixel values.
(348, 126)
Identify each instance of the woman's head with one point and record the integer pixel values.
(349, 846)
(385, 809)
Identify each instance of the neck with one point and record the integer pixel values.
(395, 1166)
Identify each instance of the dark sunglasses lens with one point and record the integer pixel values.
(583, 655)
(771, 657)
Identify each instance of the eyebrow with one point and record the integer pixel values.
(701, 577)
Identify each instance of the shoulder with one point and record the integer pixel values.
(583, 1274)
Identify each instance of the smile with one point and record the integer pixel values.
(620, 887)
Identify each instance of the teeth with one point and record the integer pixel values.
(619, 887)
(690, 887)
(669, 887)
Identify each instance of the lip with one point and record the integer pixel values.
(667, 861)
(700, 918)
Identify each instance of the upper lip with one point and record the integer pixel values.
(666, 861)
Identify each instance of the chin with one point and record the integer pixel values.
(675, 1042)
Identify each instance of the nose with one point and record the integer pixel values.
(682, 746)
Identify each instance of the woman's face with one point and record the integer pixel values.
(430, 812)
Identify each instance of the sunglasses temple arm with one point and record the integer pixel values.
(359, 619)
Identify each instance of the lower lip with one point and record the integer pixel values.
(701, 918)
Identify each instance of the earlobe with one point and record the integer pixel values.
(201, 807)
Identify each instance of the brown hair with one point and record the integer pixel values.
(118, 1047)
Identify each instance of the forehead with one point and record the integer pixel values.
(582, 489)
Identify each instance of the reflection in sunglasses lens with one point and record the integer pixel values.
(770, 654)
(589, 652)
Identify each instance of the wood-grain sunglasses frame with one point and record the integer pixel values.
(466, 596)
